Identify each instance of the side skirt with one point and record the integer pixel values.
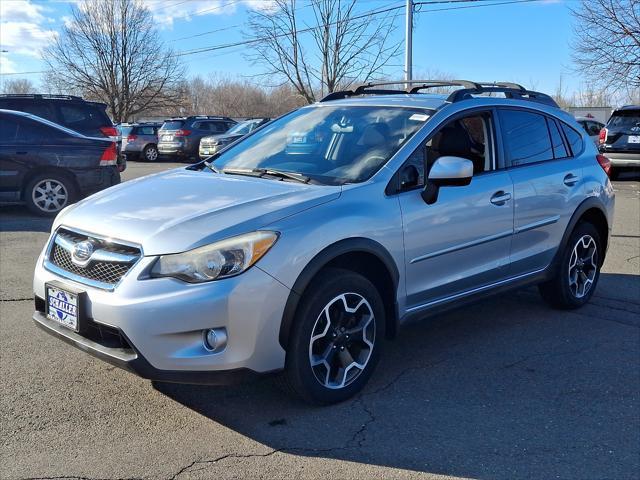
(474, 295)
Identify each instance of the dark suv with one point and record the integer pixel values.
(88, 118)
(47, 166)
(180, 137)
(620, 138)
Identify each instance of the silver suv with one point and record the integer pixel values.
(140, 141)
(304, 246)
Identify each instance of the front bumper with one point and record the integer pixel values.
(163, 320)
(132, 361)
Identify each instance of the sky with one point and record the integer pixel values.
(526, 42)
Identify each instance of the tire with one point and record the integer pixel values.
(578, 271)
(347, 297)
(48, 193)
(150, 153)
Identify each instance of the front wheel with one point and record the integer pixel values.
(336, 339)
(579, 269)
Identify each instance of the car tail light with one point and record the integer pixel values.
(132, 138)
(109, 131)
(605, 163)
(182, 133)
(602, 138)
(109, 156)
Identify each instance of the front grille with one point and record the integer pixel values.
(208, 143)
(112, 261)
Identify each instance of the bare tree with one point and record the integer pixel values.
(607, 43)
(342, 48)
(111, 51)
(18, 85)
(223, 95)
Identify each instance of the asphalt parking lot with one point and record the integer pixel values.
(504, 389)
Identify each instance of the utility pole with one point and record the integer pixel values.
(408, 43)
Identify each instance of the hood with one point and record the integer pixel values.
(182, 209)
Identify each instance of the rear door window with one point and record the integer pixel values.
(525, 136)
(146, 130)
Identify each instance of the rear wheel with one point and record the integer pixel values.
(150, 153)
(336, 339)
(48, 193)
(579, 270)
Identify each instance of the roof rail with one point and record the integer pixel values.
(469, 88)
(520, 93)
(39, 95)
(370, 88)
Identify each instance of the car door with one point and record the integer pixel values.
(462, 241)
(19, 147)
(547, 184)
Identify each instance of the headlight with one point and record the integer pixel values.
(219, 260)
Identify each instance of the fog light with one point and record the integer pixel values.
(215, 339)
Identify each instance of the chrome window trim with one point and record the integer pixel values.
(48, 265)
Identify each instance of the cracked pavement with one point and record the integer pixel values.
(503, 389)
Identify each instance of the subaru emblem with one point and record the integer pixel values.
(82, 252)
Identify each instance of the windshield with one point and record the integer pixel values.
(329, 144)
(243, 128)
(630, 118)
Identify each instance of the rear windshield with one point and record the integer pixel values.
(629, 118)
(172, 125)
(83, 116)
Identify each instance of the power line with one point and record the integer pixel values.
(364, 15)
(305, 30)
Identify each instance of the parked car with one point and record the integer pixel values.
(140, 141)
(88, 118)
(210, 145)
(591, 126)
(620, 138)
(305, 260)
(47, 166)
(180, 137)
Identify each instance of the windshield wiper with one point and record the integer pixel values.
(210, 166)
(284, 174)
(261, 172)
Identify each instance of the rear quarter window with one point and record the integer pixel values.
(574, 139)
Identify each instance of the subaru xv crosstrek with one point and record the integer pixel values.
(306, 245)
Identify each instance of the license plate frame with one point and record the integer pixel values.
(65, 305)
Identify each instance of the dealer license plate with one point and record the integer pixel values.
(62, 307)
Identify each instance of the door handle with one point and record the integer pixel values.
(500, 198)
(570, 180)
